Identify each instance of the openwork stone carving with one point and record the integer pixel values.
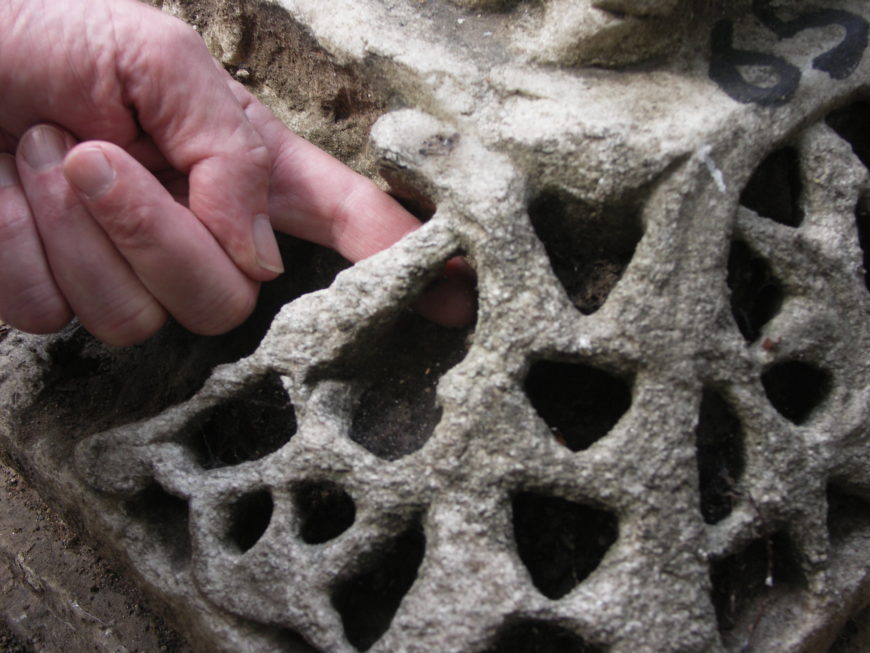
(604, 32)
(655, 436)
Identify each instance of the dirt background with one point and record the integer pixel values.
(58, 594)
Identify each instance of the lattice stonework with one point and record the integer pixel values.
(654, 437)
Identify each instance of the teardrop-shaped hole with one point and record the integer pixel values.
(368, 602)
(560, 542)
(539, 637)
(796, 388)
(743, 580)
(325, 511)
(756, 294)
(252, 424)
(719, 440)
(862, 224)
(589, 247)
(250, 516)
(167, 519)
(774, 189)
(852, 123)
(397, 410)
(579, 403)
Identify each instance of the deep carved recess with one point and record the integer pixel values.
(325, 511)
(560, 542)
(539, 637)
(253, 424)
(796, 388)
(249, 516)
(720, 456)
(589, 248)
(862, 224)
(368, 602)
(756, 294)
(743, 580)
(774, 189)
(166, 517)
(89, 387)
(397, 411)
(852, 123)
(847, 512)
(579, 403)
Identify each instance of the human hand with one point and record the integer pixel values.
(317, 198)
(163, 209)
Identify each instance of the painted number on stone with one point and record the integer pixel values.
(838, 62)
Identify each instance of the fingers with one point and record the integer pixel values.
(96, 282)
(203, 132)
(316, 197)
(169, 250)
(90, 231)
(29, 298)
(451, 300)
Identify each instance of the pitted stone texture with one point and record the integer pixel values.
(598, 32)
(463, 536)
(633, 7)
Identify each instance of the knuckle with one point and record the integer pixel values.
(130, 324)
(260, 157)
(226, 312)
(13, 223)
(35, 309)
(130, 228)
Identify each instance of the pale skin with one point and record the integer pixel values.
(138, 180)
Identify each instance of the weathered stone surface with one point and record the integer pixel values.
(653, 439)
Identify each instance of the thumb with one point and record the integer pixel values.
(183, 103)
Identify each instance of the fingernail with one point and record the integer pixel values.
(43, 147)
(268, 255)
(8, 173)
(89, 170)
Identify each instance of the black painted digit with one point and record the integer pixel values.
(725, 62)
(838, 62)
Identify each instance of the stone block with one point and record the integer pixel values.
(655, 435)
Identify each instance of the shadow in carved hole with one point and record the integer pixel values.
(560, 542)
(848, 513)
(862, 222)
(325, 511)
(756, 294)
(249, 518)
(90, 387)
(166, 517)
(774, 189)
(854, 635)
(254, 423)
(396, 412)
(743, 582)
(579, 403)
(589, 246)
(288, 640)
(348, 102)
(368, 602)
(852, 123)
(719, 438)
(539, 637)
(796, 389)
(406, 188)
